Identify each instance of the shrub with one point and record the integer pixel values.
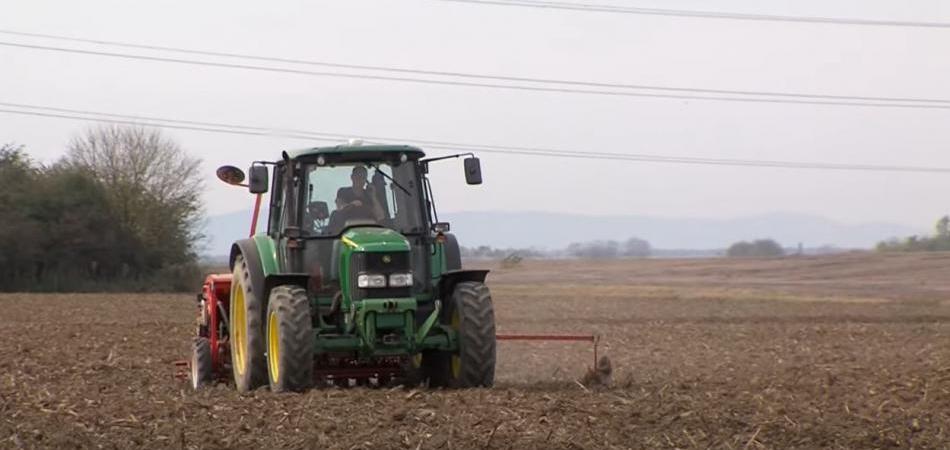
(761, 248)
(937, 243)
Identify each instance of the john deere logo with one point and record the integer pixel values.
(387, 259)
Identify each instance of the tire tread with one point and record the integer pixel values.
(256, 375)
(201, 362)
(477, 335)
(295, 326)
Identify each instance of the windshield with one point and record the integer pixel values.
(347, 194)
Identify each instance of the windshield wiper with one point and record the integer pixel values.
(385, 175)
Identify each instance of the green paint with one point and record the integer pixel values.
(390, 321)
(437, 262)
(364, 240)
(387, 315)
(438, 342)
(324, 344)
(429, 322)
(373, 240)
(268, 252)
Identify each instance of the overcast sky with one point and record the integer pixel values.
(621, 48)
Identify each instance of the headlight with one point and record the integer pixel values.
(371, 281)
(400, 280)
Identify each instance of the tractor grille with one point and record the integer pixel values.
(381, 263)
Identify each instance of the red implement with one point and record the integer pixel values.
(216, 293)
(182, 369)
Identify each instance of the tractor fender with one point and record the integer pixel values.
(252, 258)
(453, 255)
(449, 279)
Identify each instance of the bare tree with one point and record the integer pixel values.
(153, 184)
(636, 248)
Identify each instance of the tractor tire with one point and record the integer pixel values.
(289, 339)
(471, 313)
(201, 371)
(248, 362)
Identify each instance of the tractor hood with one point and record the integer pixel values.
(374, 239)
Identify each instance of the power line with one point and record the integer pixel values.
(139, 119)
(215, 127)
(467, 75)
(169, 125)
(702, 14)
(471, 84)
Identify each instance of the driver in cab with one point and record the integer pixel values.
(354, 202)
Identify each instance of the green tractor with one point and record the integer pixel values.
(354, 280)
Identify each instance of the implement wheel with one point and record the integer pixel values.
(471, 314)
(201, 372)
(247, 331)
(289, 339)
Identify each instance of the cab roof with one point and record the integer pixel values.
(355, 150)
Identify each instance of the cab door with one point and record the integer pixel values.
(284, 219)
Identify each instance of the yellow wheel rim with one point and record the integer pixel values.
(273, 346)
(239, 328)
(456, 361)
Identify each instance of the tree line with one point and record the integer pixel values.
(600, 249)
(631, 248)
(939, 241)
(120, 211)
(759, 248)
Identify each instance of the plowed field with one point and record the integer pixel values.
(833, 352)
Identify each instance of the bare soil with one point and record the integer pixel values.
(846, 351)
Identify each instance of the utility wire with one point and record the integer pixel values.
(440, 73)
(471, 84)
(74, 114)
(702, 14)
(204, 126)
(169, 125)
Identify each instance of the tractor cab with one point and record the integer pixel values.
(353, 277)
(326, 200)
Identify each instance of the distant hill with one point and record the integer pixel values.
(557, 230)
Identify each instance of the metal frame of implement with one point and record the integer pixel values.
(594, 339)
(182, 369)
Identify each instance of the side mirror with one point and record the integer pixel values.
(473, 170)
(257, 179)
(441, 227)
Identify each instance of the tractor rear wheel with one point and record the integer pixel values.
(289, 339)
(471, 314)
(201, 371)
(246, 331)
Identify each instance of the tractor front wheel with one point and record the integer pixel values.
(471, 314)
(247, 331)
(289, 339)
